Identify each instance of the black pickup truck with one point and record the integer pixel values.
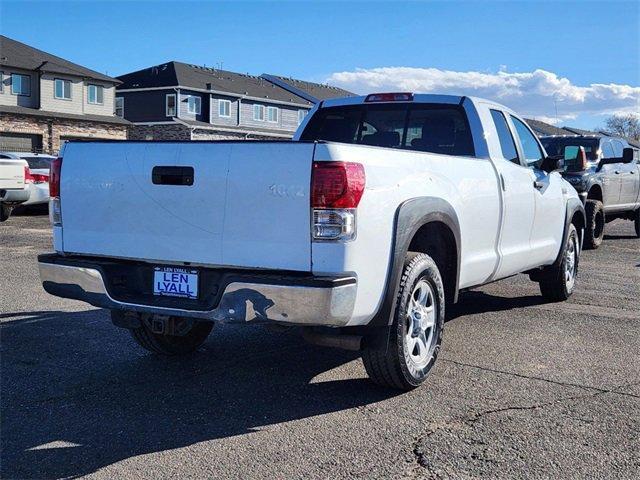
(606, 173)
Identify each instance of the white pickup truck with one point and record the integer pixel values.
(13, 184)
(370, 221)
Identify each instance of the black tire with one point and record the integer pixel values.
(637, 223)
(555, 285)
(386, 355)
(594, 232)
(5, 212)
(195, 335)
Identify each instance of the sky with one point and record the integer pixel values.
(569, 63)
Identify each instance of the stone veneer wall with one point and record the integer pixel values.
(51, 129)
(199, 134)
(89, 130)
(160, 132)
(181, 132)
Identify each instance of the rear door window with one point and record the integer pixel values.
(617, 148)
(507, 144)
(434, 128)
(607, 149)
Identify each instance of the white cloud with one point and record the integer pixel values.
(532, 94)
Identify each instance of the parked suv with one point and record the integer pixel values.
(605, 172)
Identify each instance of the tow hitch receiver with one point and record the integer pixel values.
(158, 324)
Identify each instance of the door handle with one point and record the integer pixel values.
(538, 185)
(617, 172)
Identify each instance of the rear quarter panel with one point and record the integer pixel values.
(392, 177)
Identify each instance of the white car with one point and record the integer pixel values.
(370, 222)
(13, 186)
(37, 177)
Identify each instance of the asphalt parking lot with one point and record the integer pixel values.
(522, 389)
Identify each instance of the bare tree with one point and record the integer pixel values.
(627, 125)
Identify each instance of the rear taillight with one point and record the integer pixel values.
(336, 190)
(28, 178)
(37, 178)
(55, 210)
(582, 159)
(336, 184)
(54, 177)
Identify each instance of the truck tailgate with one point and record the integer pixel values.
(12, 174)
(248, 205)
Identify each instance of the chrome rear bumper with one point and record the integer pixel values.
(240, 301)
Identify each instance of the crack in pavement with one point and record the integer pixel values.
(542, 379)
(418, 450)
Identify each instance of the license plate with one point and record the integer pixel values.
(175, 282)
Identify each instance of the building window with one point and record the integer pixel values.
(95, 94)
(120, 107)
(224, 108)
(62, 89)
(301, 115)
(272, 114)
(170, 105)
(20, 84)
(258, 113)
(194, 105)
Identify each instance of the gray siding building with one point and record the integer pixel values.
(189, 102)
(45, 100)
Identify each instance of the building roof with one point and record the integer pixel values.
(19, 55)
(543, 128)
(70, 116)
(314, 92)
(178, 74)
(579, 131)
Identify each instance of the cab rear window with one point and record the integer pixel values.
(434, 128)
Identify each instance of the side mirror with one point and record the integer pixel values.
(627, 155)
(551, 164)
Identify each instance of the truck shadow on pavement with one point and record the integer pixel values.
(78, 394)
(476, 301)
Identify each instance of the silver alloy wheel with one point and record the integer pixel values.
(419, 337)
(570, 262)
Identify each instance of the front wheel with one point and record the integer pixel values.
(559, 280)
(594, 231)
(404, 359)
(171, 335)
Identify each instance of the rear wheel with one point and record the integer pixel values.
(170, 335)
(594, 231)
(637, 222)
(5, 212)
(558, 281)
(403, 358)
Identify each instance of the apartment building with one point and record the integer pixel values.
(179, 101)
(45, 100)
